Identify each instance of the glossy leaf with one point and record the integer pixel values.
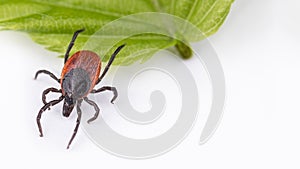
(52, 23)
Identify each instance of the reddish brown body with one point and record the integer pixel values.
(86, 60)
(78, 78)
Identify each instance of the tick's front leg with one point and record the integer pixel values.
(77, 123)
(45, 92)
(45, 107)
(92, 103)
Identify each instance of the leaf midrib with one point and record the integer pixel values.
(192, 10)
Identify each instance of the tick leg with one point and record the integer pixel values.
(92, 103)
(110, 62)
(45, 107)
(48, 73)
(45, 92)
(77, 123)
(104, 88)
(72, 43)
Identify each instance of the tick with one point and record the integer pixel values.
(79, 76)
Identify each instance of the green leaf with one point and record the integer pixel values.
(111, 23)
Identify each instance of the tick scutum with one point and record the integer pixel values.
(76, 83)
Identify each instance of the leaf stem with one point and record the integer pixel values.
(184, 49)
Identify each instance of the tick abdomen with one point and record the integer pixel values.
(85, 66)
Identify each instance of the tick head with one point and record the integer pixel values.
(69, 105)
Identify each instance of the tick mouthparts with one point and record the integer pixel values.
(70, 95)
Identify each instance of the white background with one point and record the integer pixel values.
(259, 47)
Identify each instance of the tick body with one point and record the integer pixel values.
(79, 76)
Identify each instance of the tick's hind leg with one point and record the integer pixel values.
(48, 73)
(77, 122)
(110, 62)
(92, 103)
(104, 88)
(45, 107)
(72, 43)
